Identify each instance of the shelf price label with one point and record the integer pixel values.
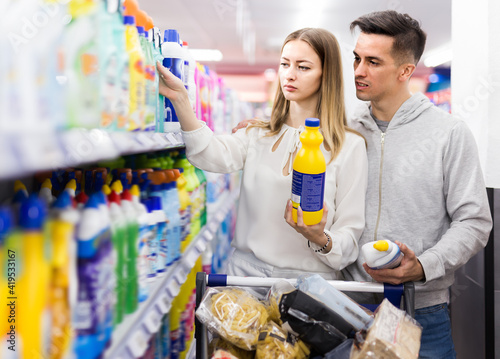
(152, 321)
(164, 304)
(208, 235)
(173, 287)
(171, 138)
(138, 343)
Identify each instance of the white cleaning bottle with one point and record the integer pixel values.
(382, 254)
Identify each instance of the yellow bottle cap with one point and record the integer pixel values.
(134, 191)
(106, 190)
(71, 184)
(47, 183)
(18, 185)
(381, 245)
(117, 186)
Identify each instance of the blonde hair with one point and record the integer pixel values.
(330, 108)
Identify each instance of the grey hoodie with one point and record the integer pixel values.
(425, 189)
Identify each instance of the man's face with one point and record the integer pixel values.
(375, 70)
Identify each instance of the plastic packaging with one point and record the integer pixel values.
(381, 254)
(234, 314)
(393, 335)
(308, 183)
(275, 343)
(350, 311)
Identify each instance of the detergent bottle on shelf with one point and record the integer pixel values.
(61, 229)
(382, 254)
(137, 78)
(308, 182)
(185, 205)
(174, 61)
(157, 57)
(45, 193)
(33, 280)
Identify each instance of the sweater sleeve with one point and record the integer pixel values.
(349, 217)
(466, 204)
(216, 153)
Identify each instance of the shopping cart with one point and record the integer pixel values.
(394, 293)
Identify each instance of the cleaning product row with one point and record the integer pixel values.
(88, 245)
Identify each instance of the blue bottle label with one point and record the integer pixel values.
(308, 190)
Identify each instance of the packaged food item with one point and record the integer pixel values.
(275, 343)
(218, 344)
(393, 335)
(234, 314)
(274, 297)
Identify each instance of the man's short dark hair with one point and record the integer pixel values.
(409, 38)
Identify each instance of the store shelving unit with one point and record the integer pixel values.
(76, 147)
(130, 338)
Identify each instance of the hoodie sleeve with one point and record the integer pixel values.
(466, 204)
(216, 153)
(349, 217)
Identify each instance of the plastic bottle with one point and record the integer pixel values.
(189, 70)
(174, 61)
(159, 211)
(93, 317)
(82, 65)
(131, 252)
(32, 280)
(142, 244)
(203, 195)
(308, 183)
(175, 240)
(382, 254)
(137, 78)
(184, 208)
(118, 237)
(122, 98)
(45, 193)
(61, 228)
(158, 57)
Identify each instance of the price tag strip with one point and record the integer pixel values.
(152, 321)
(138, 343)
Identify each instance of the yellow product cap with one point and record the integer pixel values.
(117, 186)
(71, 184)
(134, 191)
(18, 185)
(47, 183)
(381, 245)
(106, 190)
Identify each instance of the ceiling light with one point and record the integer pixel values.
(206, 55)
(439, 56)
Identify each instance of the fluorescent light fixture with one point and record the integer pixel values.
(206, 55)
(439, 56)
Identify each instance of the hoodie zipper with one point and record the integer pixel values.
(382, 142)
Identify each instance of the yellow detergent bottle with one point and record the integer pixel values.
(184, 209)
(61, 230)
(32, 282)
(308, 181)
(137, 75)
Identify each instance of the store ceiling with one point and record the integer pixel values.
(232, 25)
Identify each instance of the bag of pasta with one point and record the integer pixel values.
(234, 314)
(274, 343)
(274, 297)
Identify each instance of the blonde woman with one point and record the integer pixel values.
(268, 243)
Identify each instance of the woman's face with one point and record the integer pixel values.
(300, 72)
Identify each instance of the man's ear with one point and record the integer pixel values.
(405, 71)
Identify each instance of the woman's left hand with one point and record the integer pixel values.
(314, 233)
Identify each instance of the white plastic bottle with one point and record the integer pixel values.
(174, 61)
(382, 254)
(189, 69)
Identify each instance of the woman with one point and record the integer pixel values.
(266, 245)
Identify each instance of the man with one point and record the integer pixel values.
(425, 186)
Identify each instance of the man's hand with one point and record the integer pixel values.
(410, 269)
(243, 124)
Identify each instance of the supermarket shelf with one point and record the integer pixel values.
(32, 152)
(130, 339)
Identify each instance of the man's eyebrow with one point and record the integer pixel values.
(369, 57)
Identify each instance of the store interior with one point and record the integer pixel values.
(68, 137)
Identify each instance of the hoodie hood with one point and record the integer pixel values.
(410, 110)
